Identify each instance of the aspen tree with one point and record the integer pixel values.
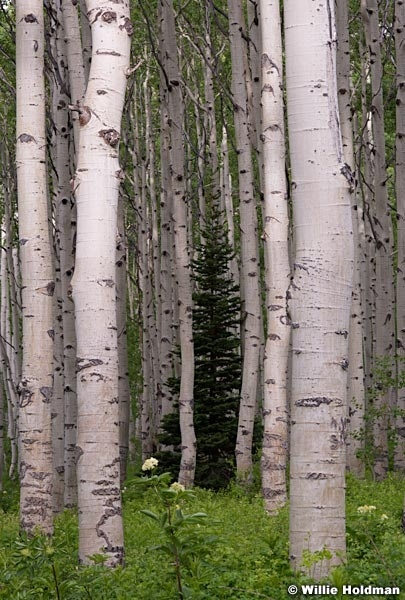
(66, 223)
(276, 226)
(173, 89)
(97, 181)
(356, 392)
(61, 175)
(124, 393)
(35, 448)
(166, 284)
(383, 239)
(249, 281)
(399, 28)
(321, 286)
(74, 55)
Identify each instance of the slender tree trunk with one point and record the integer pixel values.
(399, 28)
(250, 284)
(321, 287)
(182, 250)
(66, 222)
(35, 444)
(74, 55)
(276, 227)
(384, 290)
(356, 392)
(97, 183)
(124, 394)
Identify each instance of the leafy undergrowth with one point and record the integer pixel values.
(247, 557)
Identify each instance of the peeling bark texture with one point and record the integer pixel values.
(35, 445)
(276, 227)
(321, 286)
(249, 281)
(94, 292)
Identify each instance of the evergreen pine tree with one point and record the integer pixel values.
(216, 320)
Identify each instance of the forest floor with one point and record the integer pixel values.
(236, 552)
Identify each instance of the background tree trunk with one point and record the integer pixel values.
(249, 281)
(276, 227)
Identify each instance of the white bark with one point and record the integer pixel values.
(74, 57)
(250, 288)
(356, 392)
(182, 251)
(94, 284)
(320, 291)
(276, 227)
(35, 448)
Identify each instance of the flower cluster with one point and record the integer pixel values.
(150, 464)
(177, 487)
(366, 509)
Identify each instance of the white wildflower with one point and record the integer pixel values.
(150, 464)
(366, 509)
(177, 487)
(384, 517)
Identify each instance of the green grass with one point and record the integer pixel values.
(248, 560)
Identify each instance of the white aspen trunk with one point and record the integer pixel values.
(35, 444)
(276, 227)
(86, 39)
(227, 203)
(356, 392)
(166, 301)
(399, 28)
(250, 285)
(384, 290)
(74, 56)
(209, 114)
(154, 218)
(97, 183)
(182, 251)
(255, 88)
(320, 291)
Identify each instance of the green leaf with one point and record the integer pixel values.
(150, 514)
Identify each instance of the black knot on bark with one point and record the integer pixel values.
(109, 16)
(127, 26)
(25, 138)
(30, 18)
(110, 136)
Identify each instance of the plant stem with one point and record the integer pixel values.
(175, 554)
(56, 582)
